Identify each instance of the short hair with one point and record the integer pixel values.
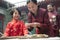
(34, 1)
(52, 4)
(13, 10)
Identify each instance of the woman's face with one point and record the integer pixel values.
(16, 15)
(50, 8)
(32, 7)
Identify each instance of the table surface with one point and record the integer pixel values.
(51, 38)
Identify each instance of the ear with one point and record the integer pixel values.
(37, 4)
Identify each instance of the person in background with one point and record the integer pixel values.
(54, 20)
(36, 18)
(15, 27)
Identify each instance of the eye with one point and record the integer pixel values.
(15, 12)
(29, 7)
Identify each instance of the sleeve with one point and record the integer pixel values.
(30, 28)
(44, 26)
(7, 30)
(44, 23)
(25, 31)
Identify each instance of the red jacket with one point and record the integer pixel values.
(15, 28)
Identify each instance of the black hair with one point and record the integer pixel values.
(12, 11)
(34, 1)
(52, 4)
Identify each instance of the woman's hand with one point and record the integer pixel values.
(35, 24)
(29, 24)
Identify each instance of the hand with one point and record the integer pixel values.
(29, 24)
(36, 24)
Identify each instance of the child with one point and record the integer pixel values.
(15, 27)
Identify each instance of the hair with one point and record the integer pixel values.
(13, 10)
(52, 4)
(34, 1)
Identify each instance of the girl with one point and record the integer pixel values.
(15, 27)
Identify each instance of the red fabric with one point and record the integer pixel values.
(45, 26)
(15, 28)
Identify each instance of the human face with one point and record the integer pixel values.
(16, 15)
(50, 8)
(32, 7)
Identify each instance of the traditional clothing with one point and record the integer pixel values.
(45, 26)
(15, 28)
(53, 28)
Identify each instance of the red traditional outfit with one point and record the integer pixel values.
(15, 28)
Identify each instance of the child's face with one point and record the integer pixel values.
(16, 15)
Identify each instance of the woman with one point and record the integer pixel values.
(35, 18)
(15, 27)
(54, 20)
(38, 18)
